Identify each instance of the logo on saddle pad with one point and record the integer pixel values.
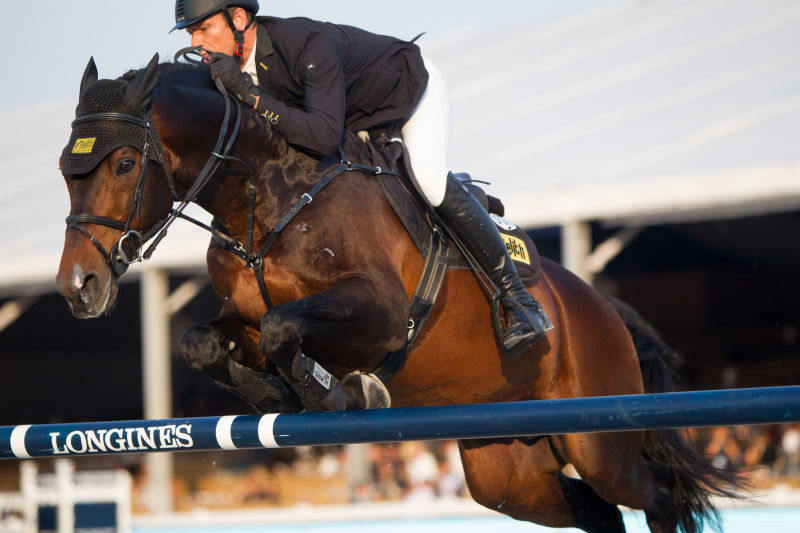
(517, 248)
(84, 146)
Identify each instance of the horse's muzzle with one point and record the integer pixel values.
(89, 294)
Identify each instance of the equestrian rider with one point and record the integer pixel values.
(312, 81)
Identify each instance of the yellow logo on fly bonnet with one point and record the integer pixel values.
(84, 146)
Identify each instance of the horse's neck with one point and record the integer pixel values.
(280, 175)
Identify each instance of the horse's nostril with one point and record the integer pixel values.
(88, 287)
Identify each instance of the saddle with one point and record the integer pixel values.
(413, 217)
(433, 240)
(419, 221)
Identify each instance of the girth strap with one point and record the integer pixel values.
(441, 256)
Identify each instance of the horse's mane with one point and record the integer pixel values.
(178, 74)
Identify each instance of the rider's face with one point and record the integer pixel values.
(213, 34)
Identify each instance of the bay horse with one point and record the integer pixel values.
(339, 277)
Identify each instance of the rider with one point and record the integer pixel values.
(313, 80)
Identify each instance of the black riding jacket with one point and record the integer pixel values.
(318, 79)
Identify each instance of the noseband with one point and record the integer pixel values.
(128, 249)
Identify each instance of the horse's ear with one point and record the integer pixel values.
(89, 76)
(140, 88)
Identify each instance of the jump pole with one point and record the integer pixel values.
(768, 405)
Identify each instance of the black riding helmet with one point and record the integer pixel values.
(187, 12)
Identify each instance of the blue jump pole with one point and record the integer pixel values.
(768, 405)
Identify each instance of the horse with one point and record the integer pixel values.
(338, 279)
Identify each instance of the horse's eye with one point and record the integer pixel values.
(125, 166)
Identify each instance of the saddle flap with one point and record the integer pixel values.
(408, 211)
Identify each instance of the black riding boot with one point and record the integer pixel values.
(526, 321)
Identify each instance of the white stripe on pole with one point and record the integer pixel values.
(18, 442)
(265, 431)
(224, 437)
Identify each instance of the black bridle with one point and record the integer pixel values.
(128, 249)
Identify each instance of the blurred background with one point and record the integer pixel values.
(651, 146)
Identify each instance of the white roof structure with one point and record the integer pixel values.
(653, 109)
(634, 109)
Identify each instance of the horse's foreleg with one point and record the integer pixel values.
(226, 350)
(342, 328)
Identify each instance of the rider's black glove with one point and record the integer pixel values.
(236, 82)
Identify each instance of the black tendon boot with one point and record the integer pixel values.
(317, 388)
(526, 322)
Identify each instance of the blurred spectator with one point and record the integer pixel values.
(422, 470)
(723, 449)
(257, 487)
(790, 452)
(332, 461)
(388, 471)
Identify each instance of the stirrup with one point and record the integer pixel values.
(528, 317)
(536, 316)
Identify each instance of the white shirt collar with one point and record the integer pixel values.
(250, 64)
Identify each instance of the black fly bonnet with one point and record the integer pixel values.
(93, 139)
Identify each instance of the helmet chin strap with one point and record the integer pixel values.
(238, 35)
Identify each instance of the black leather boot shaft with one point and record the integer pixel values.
(526, 323)
(478, 233)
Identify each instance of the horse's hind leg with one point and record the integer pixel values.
(661, 512)
(226, 350)
(613, 464)
(522, 479)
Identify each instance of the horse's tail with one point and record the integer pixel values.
(676, 464)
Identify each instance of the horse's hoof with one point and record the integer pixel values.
(365, 391)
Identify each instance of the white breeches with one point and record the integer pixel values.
(427, 136)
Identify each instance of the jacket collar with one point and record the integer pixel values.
(263, 42)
